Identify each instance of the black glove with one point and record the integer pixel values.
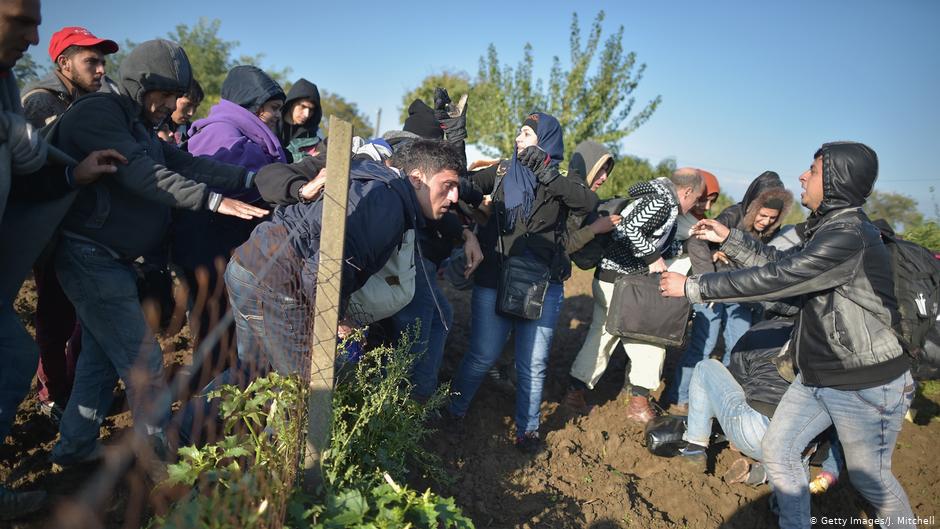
(453, 123)
(540, 163)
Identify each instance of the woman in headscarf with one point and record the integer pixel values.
(530, 202)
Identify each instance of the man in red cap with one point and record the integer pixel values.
(79, 59)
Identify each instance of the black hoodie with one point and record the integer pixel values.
(250, 88)
(129, 211)
(301, 89)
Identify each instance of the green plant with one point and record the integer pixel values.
(385, 506)
(377, 426)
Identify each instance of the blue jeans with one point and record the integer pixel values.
(271, 331)
(867, 421)
(705, 328)
(488, 334)
(272, 328)
(428, 347)
(737, 321)
(116, 343)
(714, 393)
(19, 357)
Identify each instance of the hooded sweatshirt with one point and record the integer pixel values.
(289, 132)
(128, 212)
(587, 161)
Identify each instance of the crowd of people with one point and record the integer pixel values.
(120, 181)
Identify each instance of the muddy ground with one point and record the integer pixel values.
(594, 473)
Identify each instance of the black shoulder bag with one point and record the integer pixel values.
(523, 280)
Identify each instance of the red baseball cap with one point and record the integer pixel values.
(77, 36)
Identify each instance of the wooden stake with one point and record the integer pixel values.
(326, 317)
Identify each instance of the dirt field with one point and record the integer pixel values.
(594, 474)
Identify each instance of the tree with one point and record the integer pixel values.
(456, 83)
(588, 106)
(27, 70)
(721, 203)
(926, 234)
(210, 57)
(333, 104)
(899, 210)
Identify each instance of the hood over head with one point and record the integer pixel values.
(154, 65)
(300, 90)
(849, 173)
(588, 159)
(250, 88)
(766, 180)
(772, 197)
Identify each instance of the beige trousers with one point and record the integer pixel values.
(646, 360)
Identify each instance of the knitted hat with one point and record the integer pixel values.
(774, 203)
(421, 121)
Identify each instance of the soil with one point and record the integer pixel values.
(594, 472)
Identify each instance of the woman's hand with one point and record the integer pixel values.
(658, 267)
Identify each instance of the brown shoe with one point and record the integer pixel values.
(638, 409)
(679, 409)
(574, 401)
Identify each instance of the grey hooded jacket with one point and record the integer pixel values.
(129, 211)
(841, 274)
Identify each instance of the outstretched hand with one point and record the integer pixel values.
(672, 285)
(242, 210)
(710, 230)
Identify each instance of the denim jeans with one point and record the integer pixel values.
(271, 332)
(714, 393)
(272, 328)
(737, 321)
(488, 334)
(867, 421)
(19, 357)
(428, 347)
(705, 328)
(116, 343)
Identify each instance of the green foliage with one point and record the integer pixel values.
(720, 204)
(385, 506)
(456, 83)
(796, 215)
(27, 70)
(926, 234)
(377, 426)
(899, 210)
(334, 104)
(589, 102)
(630, 170)
(247, 478)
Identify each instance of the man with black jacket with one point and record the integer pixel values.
(853, 372)
(118, 219)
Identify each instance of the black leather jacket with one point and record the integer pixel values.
(841, 275)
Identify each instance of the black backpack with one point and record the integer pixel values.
(917, 287)
(590, 256)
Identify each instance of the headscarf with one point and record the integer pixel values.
(520, 183)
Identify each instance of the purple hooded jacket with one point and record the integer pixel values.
(232, 134)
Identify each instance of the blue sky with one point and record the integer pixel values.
(746, 85)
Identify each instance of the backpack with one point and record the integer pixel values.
(590, 256)
(390, 289)
(916, 275)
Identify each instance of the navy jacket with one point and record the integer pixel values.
(284, 253)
